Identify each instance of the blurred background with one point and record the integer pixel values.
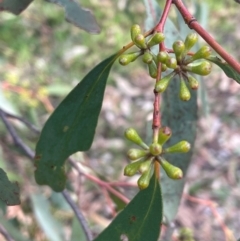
(42, 57)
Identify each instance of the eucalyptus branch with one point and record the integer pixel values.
(27, 123)
(17, 140)
(193, 24)
(79, 215)
(30, 154)
(5, 234)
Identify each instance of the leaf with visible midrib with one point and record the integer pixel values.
(71, 127)
(228, 69)
(140, 220)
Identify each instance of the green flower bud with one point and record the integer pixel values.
(125, 59)
(164, 134)
(132, 135)
(163, 83)
(172, 171)
(152, 69)
(132, 168)
(179, 48)
(139, 40)
(162, 57)
(201, 68)
(155, 149)
(180, 147)
(157, 38)
(192, 82)
(134, 154)
(203, 53)
(164, 67)
(190, 41)
(145, 165)
(171, 63)
(143, 181)
(184, 93)
(135, 30)
(147, 58)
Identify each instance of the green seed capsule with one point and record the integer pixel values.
(163, 83)
(192, 82)
(184, 93)
(143, 181)
(155, 149)
(179, 48)
(132, 135)
(145, 165)
(139, 40)
(125, 59)
(147, 58)
(157, 38)
(152, 69)
(134, 154)
(190, 41)
(162, 57)
(172, 171)
(171, 63)
(201, 68)
(132, 168)
(180, 147)
(164, 134)
(135, 30)
(203, 53)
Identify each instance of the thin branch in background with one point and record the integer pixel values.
(101, 183)
(29, 153)
(5, 234)
(27, 123)
(79, 215)
(17, 140)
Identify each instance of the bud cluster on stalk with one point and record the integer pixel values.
(144, 49)
(142, 160)
(183, 64)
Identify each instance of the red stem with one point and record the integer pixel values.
(193, 24)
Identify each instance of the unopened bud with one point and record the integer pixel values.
(147, 58)
(163, 83)
(164, 134)
(179, 48)
(201, 68)
(125, 59)
(162, 57)
(192, 82)
(152, 69)
(172, 171)
(135, 30)
(139, 40)
(184, 93)
(171, 63)
(132, 168)
(155, 149)
(144, 180)
(157, 38)
(203, 53)
(132, 135)
(180, 147)
(134, 154)
(145, 165)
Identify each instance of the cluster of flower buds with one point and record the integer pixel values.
(144, 49)
(142, 160)
(183, 64)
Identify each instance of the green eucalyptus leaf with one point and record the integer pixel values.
(77, 231)
(140, 220)
(228, 70)
(181, 117)
(71, 127)
(9, 192)
(51, 227)
(81, 17)
(14, 6)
